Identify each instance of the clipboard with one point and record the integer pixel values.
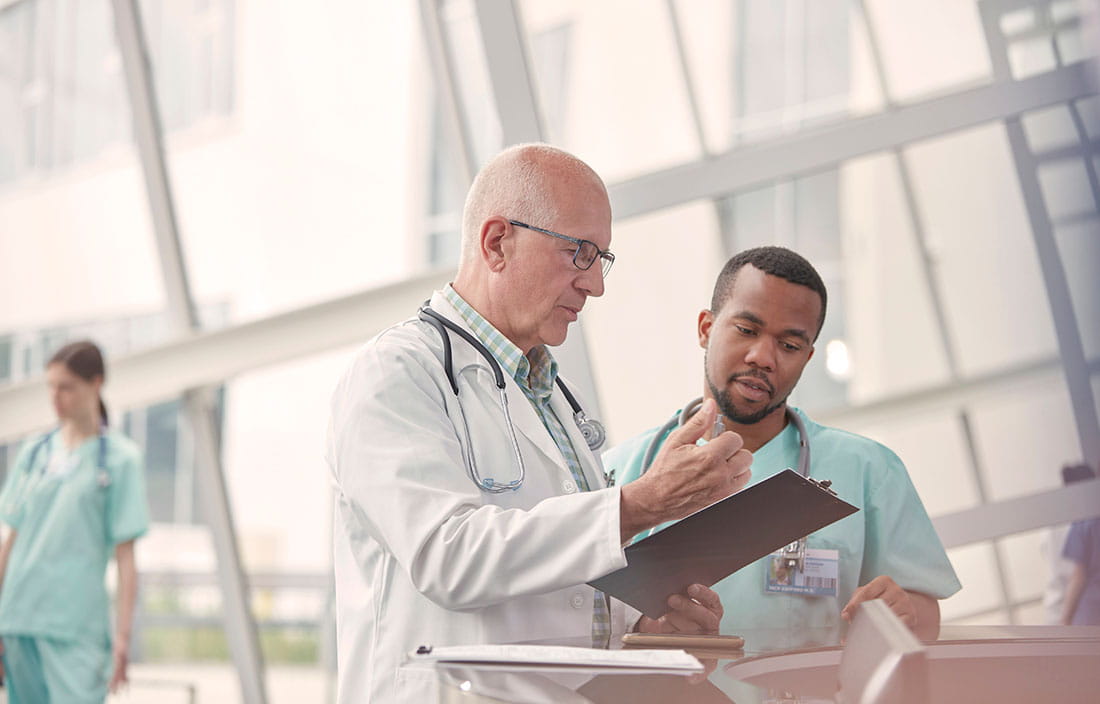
(713, 543)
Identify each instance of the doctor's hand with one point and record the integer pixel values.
(685, 477)
(699, 611)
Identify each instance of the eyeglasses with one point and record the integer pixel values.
(586, 253)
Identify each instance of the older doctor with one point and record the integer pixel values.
(467, 514)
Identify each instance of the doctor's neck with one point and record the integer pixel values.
(475, 291)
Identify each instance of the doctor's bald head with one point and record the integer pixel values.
(533, 183)
(535, 238)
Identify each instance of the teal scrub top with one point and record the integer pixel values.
(69, 517)
(890, 535)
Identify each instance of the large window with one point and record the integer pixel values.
(62, 93)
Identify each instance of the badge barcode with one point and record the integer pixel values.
(821, 582)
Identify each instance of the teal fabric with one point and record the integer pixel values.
(40, 670)
(890, 535)
(67, 528)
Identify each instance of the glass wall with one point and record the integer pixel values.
(312, 154)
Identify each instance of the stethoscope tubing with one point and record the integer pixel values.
(592, 430)
(103, 478)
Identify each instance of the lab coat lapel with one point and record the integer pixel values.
(530, 425)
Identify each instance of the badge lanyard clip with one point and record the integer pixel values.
(794, 555)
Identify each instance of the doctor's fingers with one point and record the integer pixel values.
(724, 445)
(732, 473)
(695, 428)
(689, 616)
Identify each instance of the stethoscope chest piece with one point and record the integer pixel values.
(591, 429)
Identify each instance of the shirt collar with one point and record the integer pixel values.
(535, 371)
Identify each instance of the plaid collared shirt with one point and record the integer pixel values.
(535, 373)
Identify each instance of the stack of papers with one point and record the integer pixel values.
(562, 656)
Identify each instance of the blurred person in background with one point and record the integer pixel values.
(1082, 550)
(74, 497)
(1059, 569)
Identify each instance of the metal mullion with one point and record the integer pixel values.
(1070, 346)
(1088, 147)
(1085, 148)
(510, 74)
(722, 213)
(933, 290)
(441, 60)
(983, 497)
(685, 76)
(148, 134)
(817, 149)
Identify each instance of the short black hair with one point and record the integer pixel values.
(777, 261)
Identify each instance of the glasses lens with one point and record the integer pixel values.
(607, 259)
(586, 254)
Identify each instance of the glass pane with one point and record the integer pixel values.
(979, 601)
(1025, 567)
(983, 251)
(940, 470)
(1066, 189)
(896, 343)
(1012, 468)
(623, 106)
(1050, 128)
(471, 72)
(316, 186)
(274, 440)
(912, 37)
(636, 328)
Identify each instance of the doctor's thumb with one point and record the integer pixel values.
(696, 426)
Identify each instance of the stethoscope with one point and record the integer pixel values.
(591, 429)
(103, 478)
(794, 554)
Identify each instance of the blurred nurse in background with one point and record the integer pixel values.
(74, 497)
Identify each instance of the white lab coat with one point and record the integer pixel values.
(424, 557)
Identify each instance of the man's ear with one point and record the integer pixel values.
(496, 237)
(706, 321)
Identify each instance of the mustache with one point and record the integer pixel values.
(754, 374)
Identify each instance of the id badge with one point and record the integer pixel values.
(818, 576)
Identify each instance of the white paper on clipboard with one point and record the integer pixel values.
(559, 655)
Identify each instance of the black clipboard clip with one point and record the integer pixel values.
(822, 484)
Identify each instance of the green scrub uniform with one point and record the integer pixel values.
(890, 535)
(69, 514)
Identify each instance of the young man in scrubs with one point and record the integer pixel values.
(766, 312)
(74, 498)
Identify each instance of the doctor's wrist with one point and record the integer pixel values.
(634, 512)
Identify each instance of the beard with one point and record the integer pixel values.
(725, 401)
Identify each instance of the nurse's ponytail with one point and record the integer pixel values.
(84, 359)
